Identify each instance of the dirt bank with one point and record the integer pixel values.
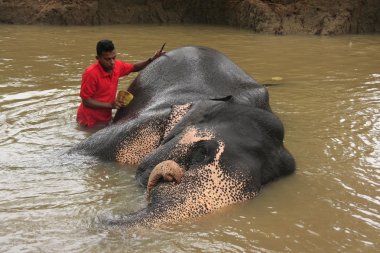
(323, 17)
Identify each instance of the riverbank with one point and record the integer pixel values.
(279, 17)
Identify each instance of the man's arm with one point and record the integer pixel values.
(90, 102)
(141, 65)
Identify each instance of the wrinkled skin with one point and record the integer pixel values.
(201, 132)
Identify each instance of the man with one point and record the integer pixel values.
(99, 85)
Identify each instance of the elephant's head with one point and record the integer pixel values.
(217, 153)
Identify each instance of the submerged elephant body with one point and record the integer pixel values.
(201, 132)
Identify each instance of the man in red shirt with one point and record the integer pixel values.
(99, 85)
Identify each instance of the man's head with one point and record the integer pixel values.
(105, 54)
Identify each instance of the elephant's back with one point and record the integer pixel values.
(194, 70)
(185, 75)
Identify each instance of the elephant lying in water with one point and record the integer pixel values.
(201, 132)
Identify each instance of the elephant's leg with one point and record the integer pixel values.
(127, 142)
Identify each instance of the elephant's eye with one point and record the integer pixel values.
(203, 152)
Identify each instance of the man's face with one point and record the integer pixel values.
(107, 60)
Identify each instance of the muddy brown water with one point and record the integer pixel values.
(326, 90)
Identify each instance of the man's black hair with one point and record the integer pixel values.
(104, 46)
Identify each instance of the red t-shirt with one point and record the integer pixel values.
(102, 86)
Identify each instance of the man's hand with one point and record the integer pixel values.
(101, 105)
(117, 104)
(157, 54)
(141, 65)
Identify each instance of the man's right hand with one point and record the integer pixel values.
(117, 105)
(101, 105)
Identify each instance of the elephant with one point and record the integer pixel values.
(201, 133)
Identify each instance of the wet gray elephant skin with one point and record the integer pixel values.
(201, 133)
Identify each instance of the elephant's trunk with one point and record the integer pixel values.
(166, 171)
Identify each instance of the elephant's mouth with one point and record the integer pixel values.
(165, 172)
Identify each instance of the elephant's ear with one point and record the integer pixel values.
(177, 113)
(257, 97)
(226, 98)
